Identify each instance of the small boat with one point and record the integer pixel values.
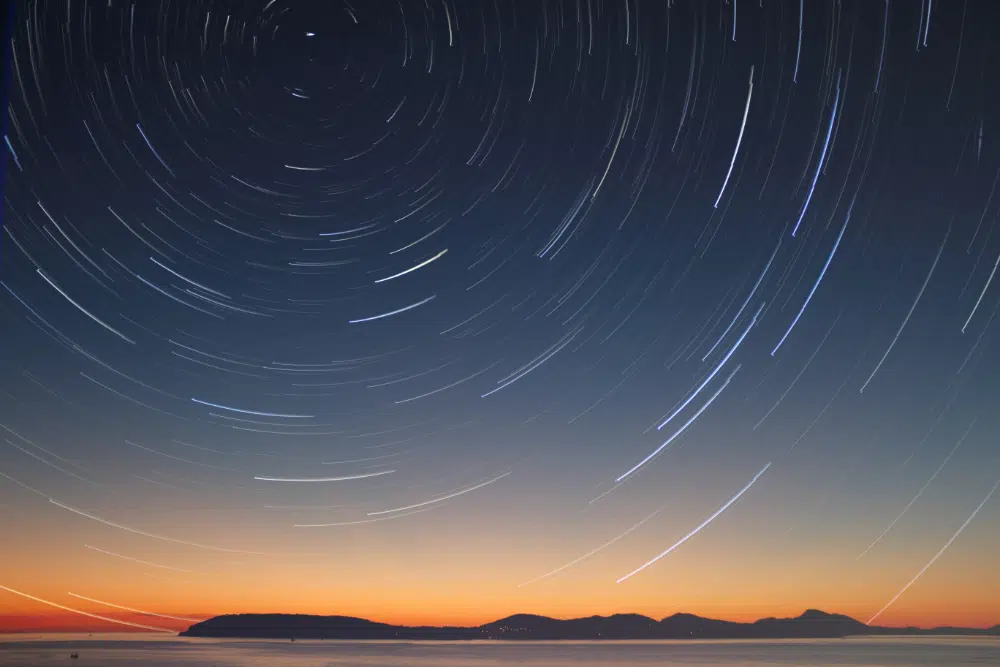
(74, 656)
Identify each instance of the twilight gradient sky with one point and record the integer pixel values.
(375, 308)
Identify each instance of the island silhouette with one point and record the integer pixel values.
(811, 624)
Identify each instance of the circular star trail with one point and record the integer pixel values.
(362, 306)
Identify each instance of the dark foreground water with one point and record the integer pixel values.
(146, 651)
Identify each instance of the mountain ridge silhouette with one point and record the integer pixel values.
(811, 624)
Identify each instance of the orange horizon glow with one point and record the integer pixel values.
(436, 571)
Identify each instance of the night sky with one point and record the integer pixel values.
(432, 311)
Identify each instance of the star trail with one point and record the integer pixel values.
(385, 308)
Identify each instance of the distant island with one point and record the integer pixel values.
(812, 624)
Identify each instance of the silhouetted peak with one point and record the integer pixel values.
(682, 617)
(521, 620)
(812, 617)
(292, 621)
(817, 615)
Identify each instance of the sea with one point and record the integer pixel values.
(159, 651)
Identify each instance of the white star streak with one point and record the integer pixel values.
(84, 613)
(819, 279)
(325, 479)
(909, 314)
(437, 500)
(938, 554)
(413, 268)
(84, 310)
(700, 526)
(138, 611)
(739, 139)
(715, 371)
(982, 294)
(153, 535)
(393, 312)
(250, 412)
(822, 159)
(683, 428)
(362, 521)
(919, 493)
(592, 552)
(136, 560)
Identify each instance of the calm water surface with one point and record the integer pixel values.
(156, 651)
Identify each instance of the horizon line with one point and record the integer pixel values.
(121, 630)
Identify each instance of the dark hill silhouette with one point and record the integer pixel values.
(812, 624)
(618, 626)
